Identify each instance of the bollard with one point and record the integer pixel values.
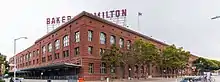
(81, 80)
(107, 79)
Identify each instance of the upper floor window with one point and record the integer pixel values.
(102, 38)
(90, 49)
(43, 49)
(77, 36)
(128, 44)
(30, 55)
(56, 55)
(90, 35)
(66, 53)
(65, 41)
(112, 39)
(49, 47)
(57, 44)
(121, 42)
(77, 51)
(38, 51)
(26, 57)
(101, 51)
(43, 59)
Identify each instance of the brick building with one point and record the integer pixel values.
(75, 47)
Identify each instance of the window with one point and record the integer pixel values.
(33, 62)
(102, 38)
(38, 52)
(49, 47)
(77, 36)
(37, 61)
(65, 41)
(128, 44)
(29, 62)
(90, 35)
(103, 68)
(77, 52)
(121, 42)
(57, 55)
(112, 68)
(112, 39)
(43, 50)
(101, 51)
(66, 53)
(49, 57)
(34, 53)
(91, 68)
(90, 49)
(43, 59)
(57, 44)
(28, 56)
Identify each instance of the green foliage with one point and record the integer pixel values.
(112, 56)
(2, 80)
(204, 64)
(174, 57)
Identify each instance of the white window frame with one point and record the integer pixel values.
(121, 43)
(102, 38)
(90, 49)
(49, 47)
(103, 68)
(90, 34)
(77, 36)
(43, 49)
(128, 44)
(65, 41)
(112, 39)
(57, 44)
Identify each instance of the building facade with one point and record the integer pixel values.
(75, 48)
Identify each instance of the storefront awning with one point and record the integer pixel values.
(52, 66)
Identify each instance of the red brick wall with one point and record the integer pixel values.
(83, 24)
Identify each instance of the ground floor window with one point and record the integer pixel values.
(103, 68)
(91, 68)
(43, 59)
(112, 69)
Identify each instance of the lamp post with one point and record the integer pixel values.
(15, 68)
(216, 17)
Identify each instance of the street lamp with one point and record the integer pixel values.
(15, 68)
(216, 17)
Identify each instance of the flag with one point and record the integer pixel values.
(139, 14)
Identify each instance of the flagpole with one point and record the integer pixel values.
(138, 22)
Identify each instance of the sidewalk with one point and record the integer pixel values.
(143, 80)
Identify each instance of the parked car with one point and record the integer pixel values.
(191, 79)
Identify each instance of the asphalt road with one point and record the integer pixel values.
(217, 79)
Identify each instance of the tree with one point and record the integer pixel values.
(204, 65)
(145, 53)
(174, 59)
(112, 57)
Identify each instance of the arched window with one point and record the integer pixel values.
(112, 39)
(57, 44)
(128, 44)
(121, 42)
(43, 50)
(65, 41)
(102, 38)
(49, 47)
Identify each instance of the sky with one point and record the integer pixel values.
(185, 23)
